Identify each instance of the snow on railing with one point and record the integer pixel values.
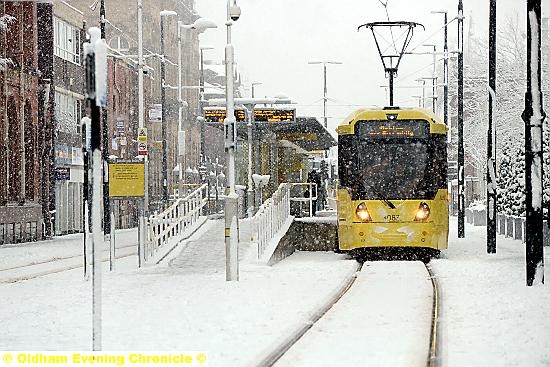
(175, 220)
(271, 216)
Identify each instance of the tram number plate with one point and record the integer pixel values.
(392, 218)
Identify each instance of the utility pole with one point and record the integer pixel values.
(201, 110)
(533, 116)
(324, 63)
(144, 212)
(491, 134)
(163, 113)
(105, 147)
(461, 209)
(445, 67)
(230, 130)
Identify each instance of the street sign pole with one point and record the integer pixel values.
(95, 53)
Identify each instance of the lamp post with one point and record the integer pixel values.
(434, 77)
(105, 146)
(445, 68)
(200, 25)
(231, 200)
(252, 88)
(491, 136)
(201, 106)
(324, 63)
(461, 208)
(423, 91)
(163, 15)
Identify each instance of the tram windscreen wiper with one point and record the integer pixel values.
(383, 198)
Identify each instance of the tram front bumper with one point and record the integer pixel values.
(407, 234)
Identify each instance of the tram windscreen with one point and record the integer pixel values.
(393, 170)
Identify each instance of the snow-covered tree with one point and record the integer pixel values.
(511, 179)
(5, 20)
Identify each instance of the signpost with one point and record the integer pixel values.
(126, 180)
(142, 141)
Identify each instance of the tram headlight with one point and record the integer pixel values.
(422, 213)
(362, 213)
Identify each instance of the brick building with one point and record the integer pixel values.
(121, 36)
(21, 144)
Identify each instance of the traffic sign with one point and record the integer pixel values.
(142, 148)
(142, 135)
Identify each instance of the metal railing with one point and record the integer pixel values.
(271, 216)
(508, 225)
(302, 192)
(175, 220)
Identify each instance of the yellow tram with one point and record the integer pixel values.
(392, 192)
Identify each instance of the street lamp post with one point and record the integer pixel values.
(252, 88)
(105, 147)
(324, 63)
(461, 208)
(201, 106)
(423, 91)
(231, 200)
(163, 14)
(434, 77)
(200, 25)
(491, 136)
(445, 69)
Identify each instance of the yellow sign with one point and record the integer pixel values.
(126, 180)
(142, 135)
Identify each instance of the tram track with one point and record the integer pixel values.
(33, 270)
(433, 355)
(52, 260)
(283, 347)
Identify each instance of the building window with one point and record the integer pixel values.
(67, 113)
(119, 44)
(66, 41)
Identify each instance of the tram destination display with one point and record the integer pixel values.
(393, 129)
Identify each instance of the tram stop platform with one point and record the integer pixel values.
(317, 233)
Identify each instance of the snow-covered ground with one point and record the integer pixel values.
(489, 316)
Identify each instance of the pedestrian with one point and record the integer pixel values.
(313, 177)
